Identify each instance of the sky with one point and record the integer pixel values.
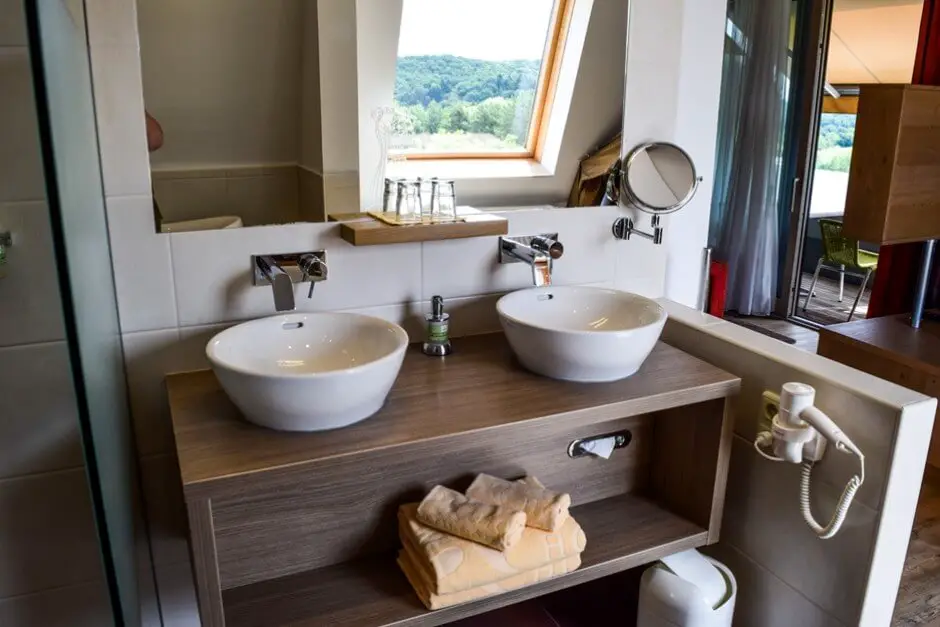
(495, 30)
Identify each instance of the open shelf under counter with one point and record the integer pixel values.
(623, 532)
(283, 518)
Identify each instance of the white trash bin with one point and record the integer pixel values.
(687, 589)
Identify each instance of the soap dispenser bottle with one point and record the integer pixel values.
(437, 343)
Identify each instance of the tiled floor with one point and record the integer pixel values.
(919, 597)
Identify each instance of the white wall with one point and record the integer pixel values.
(198, 282)
(675, 52)
(222, 77)
(50, 567)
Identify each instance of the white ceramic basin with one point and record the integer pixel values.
(586, 334)
(308, 372)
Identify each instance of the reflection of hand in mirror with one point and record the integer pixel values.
(154, 133)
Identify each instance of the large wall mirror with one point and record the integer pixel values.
(279, 111)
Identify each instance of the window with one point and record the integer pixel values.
(833, 157)
(475, 77)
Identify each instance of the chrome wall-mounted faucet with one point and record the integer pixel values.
(539, 251)
(281, 272)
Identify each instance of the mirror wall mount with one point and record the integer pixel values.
(658, 178)
(623, 228)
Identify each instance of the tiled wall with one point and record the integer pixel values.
(262, 194)
(223, 78)
(50, 566)
(786, 575)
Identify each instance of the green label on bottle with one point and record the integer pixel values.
(437, 331)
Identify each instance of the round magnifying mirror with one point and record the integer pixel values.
(659, 178)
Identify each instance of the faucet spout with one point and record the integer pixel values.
(282, 285)
(539, 251)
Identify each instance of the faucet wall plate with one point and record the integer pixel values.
(526, 240)
(290, 263)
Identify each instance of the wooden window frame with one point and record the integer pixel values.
(545, 91)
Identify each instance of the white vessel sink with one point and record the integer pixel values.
(308, 372)
(586, 334)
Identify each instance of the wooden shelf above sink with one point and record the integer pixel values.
(361, 229)
(623, 532)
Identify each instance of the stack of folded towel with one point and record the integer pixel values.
(500, 536)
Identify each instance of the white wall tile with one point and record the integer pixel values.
(83, 605)
(898, 511)
(763, 520)
(143, 274)
(860, 404)
(21, 176)
(30, 307)
(212, 272)
(148, 357)
(756, 584)
(39, 429)
(12, 23)
(192, 198)
(638, 260)
(119, 100)
(470, 266)
(166, 510)
(51, 540)
(268, 199)
(177, 595)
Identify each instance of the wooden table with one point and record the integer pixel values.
(891, 349)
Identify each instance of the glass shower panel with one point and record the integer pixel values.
(65, 106)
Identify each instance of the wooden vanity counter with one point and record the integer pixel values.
(294, 528)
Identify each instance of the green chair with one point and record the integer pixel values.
(839, 253)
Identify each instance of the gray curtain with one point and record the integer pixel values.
(744, 228)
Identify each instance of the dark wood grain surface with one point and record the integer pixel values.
(890, 349)
(622, 532)
(892, 338)
(481, 388)
(314, 516)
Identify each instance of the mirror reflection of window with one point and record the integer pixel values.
(471, 76)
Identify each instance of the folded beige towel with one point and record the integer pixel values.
(544, 509)
(448, 510)
(435, 601)
(453, 564)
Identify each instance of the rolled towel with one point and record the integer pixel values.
(489, 524)
(544, 509)
(434, 601)
(453, 564)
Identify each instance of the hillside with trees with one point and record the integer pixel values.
(447, 103)
(836, 138)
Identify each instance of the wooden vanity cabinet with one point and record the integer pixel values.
(300, 529)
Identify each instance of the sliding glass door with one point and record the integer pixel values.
(65, 106)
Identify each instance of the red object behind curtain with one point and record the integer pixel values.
(898, 264)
